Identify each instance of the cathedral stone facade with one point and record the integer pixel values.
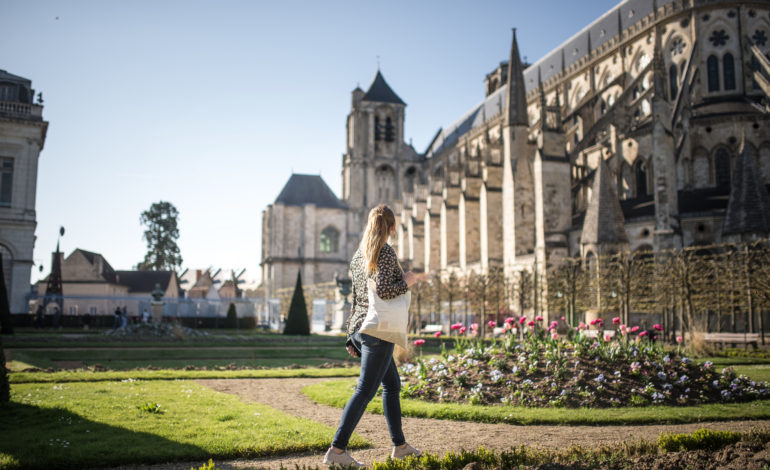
(647, 130)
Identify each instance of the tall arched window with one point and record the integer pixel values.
(389, 130)
(641, 179)
(377, 129)
(722, 168)
(330, 240)
(728, 69)
(410, 179)
(712, 67)
(673, 84)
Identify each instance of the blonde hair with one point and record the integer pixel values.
(378, 226)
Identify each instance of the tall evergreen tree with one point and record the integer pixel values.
(297, 323)
(6, 325)
(161, 235)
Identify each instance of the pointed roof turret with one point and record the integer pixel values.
(748, 209)
(381, 92)
(604, 222)
(516, 98)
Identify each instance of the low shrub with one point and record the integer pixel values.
(702, 439)
(210, 465)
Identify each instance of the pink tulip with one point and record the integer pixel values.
(643, 334)
(462, 330)
(594, 321)
(419, 342)
(491, 324)
(582, 326)
(564, 319)
(507, 326)
(634, 329)
(554, 335)
(509, 320)
(437, 334)
(538, 318)
(456, 326)
(531, 323)
(554, 324)
(679, 339)
(657, 327)
(616, 321)
(522, 319)
(474, 326)
(607, 338)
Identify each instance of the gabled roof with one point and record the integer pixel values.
(381, 92)
(604, 221)
(308, 189)
(107, 272)
(144, 281)
(748, 209)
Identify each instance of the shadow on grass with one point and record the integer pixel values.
(40, 437)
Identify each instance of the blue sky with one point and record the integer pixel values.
(212, 105)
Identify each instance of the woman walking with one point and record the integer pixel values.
(377, 260)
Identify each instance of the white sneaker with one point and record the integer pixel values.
(343, 460)
(400, 452)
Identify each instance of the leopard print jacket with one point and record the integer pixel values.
(389, 279)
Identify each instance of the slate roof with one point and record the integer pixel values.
(604, 221)
(5, 76)
(308, 189)
(748, 209)
(611, 24)
(144, 281)
(381, 92)
(108, 273)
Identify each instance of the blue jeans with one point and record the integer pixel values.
(377, 367)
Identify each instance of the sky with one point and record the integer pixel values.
(211, 105)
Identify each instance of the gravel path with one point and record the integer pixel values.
(437, 436)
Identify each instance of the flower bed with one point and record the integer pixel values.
(544, 369)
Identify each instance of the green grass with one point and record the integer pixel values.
(337, 392)
(168, 374)
(82, 425)
(755, 372)
(178, 357)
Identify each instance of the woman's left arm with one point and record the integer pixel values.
(390, 278)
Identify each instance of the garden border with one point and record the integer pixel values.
(337, 392)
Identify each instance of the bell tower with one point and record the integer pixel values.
(375, 136)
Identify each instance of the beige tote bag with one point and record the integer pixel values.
(387, 319)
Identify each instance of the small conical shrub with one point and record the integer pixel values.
(297, 323)
(232, 317)
(5, 387)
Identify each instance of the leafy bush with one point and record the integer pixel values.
(232, 317)
(297, 323)
(153, 408)
(5, 388)
(206, 466)
(702, 439)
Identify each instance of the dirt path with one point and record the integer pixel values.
(436, 436)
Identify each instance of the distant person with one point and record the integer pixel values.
(86, 321)
(118, 319)
(146, 316)
(123, 318)
(376, 260)
(57, 318)
(39, 316)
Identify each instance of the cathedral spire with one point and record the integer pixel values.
(516, 99)
(604, 223)
(748, 209)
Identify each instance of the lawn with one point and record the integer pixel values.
(176, 358)
(337, 392)
(76, 425)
